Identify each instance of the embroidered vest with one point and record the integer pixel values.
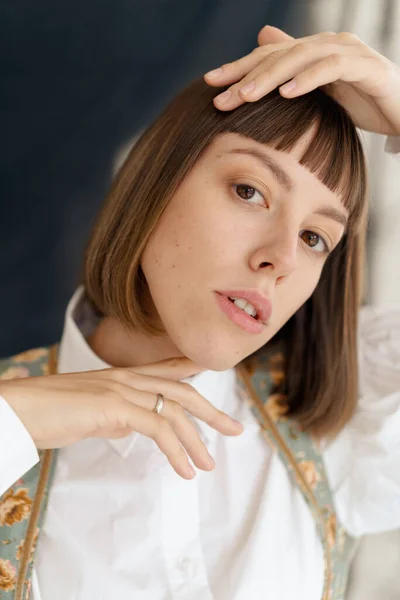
(23, 506)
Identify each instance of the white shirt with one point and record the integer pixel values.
(121, 524)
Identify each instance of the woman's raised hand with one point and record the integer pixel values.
(59, 410)
(363, 81)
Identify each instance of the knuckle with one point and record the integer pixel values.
(261, 51)
(348, 36)
(172, 362)
(109, 397)
(336, 60)
(122, 375)
(187, 387)
(176, 410)
(303, 47)
(164, 429)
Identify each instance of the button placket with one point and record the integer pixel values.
(180, 534)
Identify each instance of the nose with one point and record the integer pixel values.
(278, 255)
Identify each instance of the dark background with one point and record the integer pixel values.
(78, 80)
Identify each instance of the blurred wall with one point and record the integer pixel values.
(377, 23)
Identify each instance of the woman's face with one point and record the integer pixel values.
(248, 223)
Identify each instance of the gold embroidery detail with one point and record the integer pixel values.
(15, 507)
(7, 575)
(22, 583)
(20, 548)
(271, 426)
(15, 373)
(31, 355)
(310, 473)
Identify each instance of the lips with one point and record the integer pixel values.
(261, 303)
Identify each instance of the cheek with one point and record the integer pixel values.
(292, 294)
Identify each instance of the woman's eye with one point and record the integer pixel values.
(315, 241)
(248, 193)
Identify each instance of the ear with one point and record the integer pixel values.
(272, 35)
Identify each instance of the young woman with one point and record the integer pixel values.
(222, 277)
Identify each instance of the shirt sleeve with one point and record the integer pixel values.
(363, 462)
(18, 453)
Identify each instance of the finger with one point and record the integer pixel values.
(167, 441)
(231, 72)
(158, 429)
(142, 390)
(175, 414)
(172, 368)
(188, 435)
(236, 70)
(272, 35)
(285, 65)
(328, 70)
(233, 96)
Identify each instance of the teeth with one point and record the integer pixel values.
(246, 306)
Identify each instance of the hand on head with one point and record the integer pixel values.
(363, 81)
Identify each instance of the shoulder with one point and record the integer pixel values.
(367, 485)
(26, 364)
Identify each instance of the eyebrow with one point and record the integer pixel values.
(286, 181)
(267, 161)
(332, 213)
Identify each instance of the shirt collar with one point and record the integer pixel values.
(75, 355)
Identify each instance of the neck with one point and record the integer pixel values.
(120, 347)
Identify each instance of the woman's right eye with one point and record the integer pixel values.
(248, 193)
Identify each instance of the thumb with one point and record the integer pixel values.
(272, 35)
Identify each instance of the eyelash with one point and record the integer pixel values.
(326, 249)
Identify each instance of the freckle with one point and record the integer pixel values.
(190, 247)
(177, 244)
(173, 266)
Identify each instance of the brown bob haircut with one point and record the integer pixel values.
(320, 340)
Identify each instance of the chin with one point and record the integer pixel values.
(212, 356)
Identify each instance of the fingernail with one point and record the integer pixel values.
(237, 424)
(223, 98)
(288, 87)
(214, 73)
(190, 471)
(211, 461)
(247, 89)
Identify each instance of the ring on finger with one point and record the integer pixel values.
(159, 404)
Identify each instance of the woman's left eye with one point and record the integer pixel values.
(248, 193)
(315, 241)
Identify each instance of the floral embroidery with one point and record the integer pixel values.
(277, 406)
(28, 589)
(44, 367)
(331, 527)
(276, 366)
(15, 373)
(31, 355)
(8, 575)
(15, 506)
(310, 472)
(20, 547)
